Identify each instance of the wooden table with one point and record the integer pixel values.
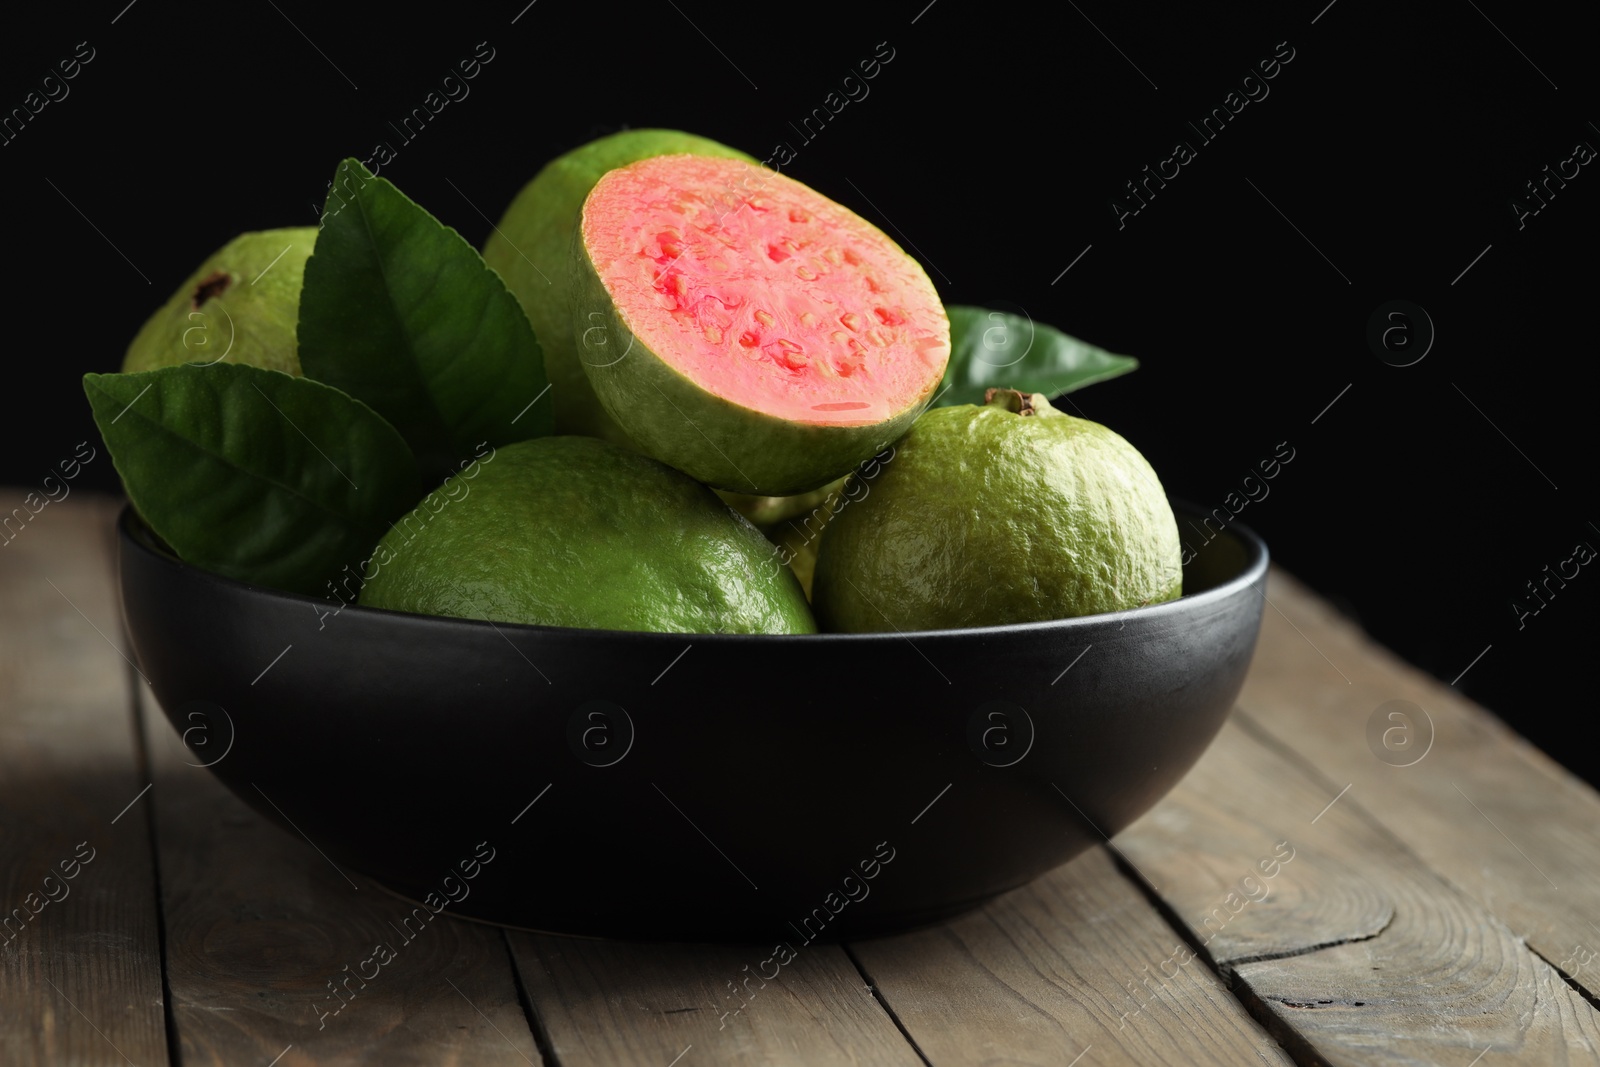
(1296, 899)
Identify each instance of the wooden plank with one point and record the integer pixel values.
(621, 1003)
(1343, 941)
(1067, 966)
(1484, 808)
(264, 933)
(80, 963)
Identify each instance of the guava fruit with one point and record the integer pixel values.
(576, 531)
(746, 329)
(999, 513)
(241, 306)
(530, 251)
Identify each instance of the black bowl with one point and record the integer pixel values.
(693, 786)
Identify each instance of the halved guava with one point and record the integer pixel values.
(529, 249)
(747, 330)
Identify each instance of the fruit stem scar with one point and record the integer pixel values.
(1018, 402)
(215, 285)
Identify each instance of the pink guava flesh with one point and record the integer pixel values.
(764, 292)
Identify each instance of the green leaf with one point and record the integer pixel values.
(399, 311)
(998, 350)
(254, 474)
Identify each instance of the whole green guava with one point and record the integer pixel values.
(1005, 512)
(242, 305)
(575, 531)
(530, 250)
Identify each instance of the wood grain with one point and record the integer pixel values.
(1489, 812)
(609, 1002)
(80, 975)
(259, 923)
(1066, 966)
(1354, 950)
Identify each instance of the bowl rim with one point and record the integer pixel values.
(1252, 572)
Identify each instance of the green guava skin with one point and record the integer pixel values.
(530, 251)
(229, 311)
(987, 517)
(776, 456)
(579, 532)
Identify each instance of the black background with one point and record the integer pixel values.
(992, 143)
